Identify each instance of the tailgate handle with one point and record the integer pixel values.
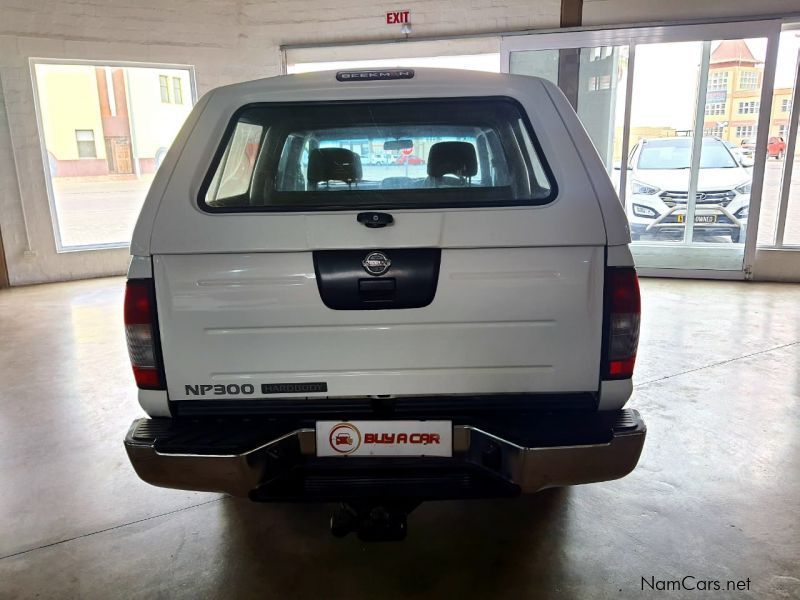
(375, 219)
(377, 290)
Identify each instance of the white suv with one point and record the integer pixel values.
(658, 186)
(303, 325)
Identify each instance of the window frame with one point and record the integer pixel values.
(718, 81)
(177, 90)
(61, 247)
(78, 143)
(749, 107)
(749, 80)
(163, 85)
(333, 206)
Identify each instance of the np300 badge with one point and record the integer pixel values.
(376, 263)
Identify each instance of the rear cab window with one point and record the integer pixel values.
(379, 154)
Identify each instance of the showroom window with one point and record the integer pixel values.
(707, 80)
(472, 62)
(86, 146)
(474, 54)
(687, 200)
(104, 130)
(779, 223)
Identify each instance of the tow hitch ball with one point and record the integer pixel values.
(372, 522)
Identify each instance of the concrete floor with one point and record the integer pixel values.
(716, 494)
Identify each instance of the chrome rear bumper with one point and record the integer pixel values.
(257, 459)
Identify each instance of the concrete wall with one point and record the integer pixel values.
(225, 40)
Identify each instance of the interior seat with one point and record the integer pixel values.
(457, 159)
(333, 164)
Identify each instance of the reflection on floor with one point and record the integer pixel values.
(715, 494)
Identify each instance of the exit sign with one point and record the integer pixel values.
(397, 17)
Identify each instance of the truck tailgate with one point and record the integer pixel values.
(503, 320)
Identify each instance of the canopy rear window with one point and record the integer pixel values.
(405, 154)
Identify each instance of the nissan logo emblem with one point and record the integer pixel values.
(376, 263)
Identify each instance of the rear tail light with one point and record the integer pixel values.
(140, 331)
(623, 310)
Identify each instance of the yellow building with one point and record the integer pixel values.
(733, 99)
(70, 111)
(110, 120)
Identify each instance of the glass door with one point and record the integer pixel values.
(779, 225)
(595, 81)
(676, 119)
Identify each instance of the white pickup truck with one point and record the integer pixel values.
(304, 325)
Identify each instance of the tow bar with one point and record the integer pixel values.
(373, 521)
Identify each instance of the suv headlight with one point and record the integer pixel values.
(642, 188)
(644, 211)
(744, 188)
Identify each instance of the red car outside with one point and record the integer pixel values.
(412, 160)
(776, 147)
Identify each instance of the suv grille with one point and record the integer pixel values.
(721, 197)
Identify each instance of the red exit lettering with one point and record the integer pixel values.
(397, 17)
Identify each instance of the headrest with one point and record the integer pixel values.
(333, 164)
(452, 158)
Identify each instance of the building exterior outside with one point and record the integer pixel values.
(733, 99)
(100, 120)
(71, 120)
